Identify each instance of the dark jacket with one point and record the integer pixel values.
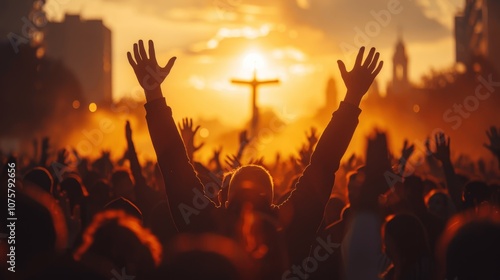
(192, 212)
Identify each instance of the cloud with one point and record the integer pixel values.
(338, 21)
(341, 20)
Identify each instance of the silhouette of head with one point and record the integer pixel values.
(100, 193)
(475, 193)
(42, 232)
(120, 238)
(122, 185)
(75, 190)
(429, 185)
(251, 183)
(470, 247)
(439, 204)
(41, 177)
(414, 189)
(207, 256)
(405, 239)
(125, 205)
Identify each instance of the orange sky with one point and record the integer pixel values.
(300, 41)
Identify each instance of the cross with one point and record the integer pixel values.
(254, 83)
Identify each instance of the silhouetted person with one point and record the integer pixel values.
(475, 193)
(406, 245)
(41, 177)
(470, 247)
(116, 242)
(125, 205)
(40, 230)
(312, 190)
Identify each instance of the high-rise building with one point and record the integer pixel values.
(84, 46)
(477, 31)
(22, 23)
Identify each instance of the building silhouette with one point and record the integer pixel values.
(84, 46)
(400, 83)
(476, 34)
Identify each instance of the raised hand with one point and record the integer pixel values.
(312, 138)
(62, 156)
(244, 141)
(428, 150)
(494, 138)
(406, 153)
(216, 155)
(232, 161)
(359, 79)
(305, 156)
(128, 131)
(442, 152)
(407, 150)
(216, 159)
(149, 74)
(130, 144)
(257, 161)
(188, 133)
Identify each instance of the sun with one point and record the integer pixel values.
(253, 61)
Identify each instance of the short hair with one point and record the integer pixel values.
(126, 205)
(254, 173)
(41, 177)
(103, 230)
(469, 247)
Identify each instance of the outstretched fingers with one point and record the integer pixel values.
(169, 65)
(374, 62)
(196, 129)
(152, 54)
(379, 67)
(342, 68)
(369, 58)
(137, 56)
(359, 58)
(131, 61)
(142, 50)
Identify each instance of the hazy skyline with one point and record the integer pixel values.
(299, 41)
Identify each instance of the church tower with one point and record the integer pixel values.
(400, 81)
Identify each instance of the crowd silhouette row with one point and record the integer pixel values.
(250, 218)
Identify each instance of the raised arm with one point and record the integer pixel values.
(244, 141)
(183, 188)
(318, 177)
(135, 166)
(314, 187)
(442, 153)
(406, 153)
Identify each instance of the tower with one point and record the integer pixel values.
(400, 81)
(85, 48)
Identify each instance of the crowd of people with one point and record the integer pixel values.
(306, 217)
